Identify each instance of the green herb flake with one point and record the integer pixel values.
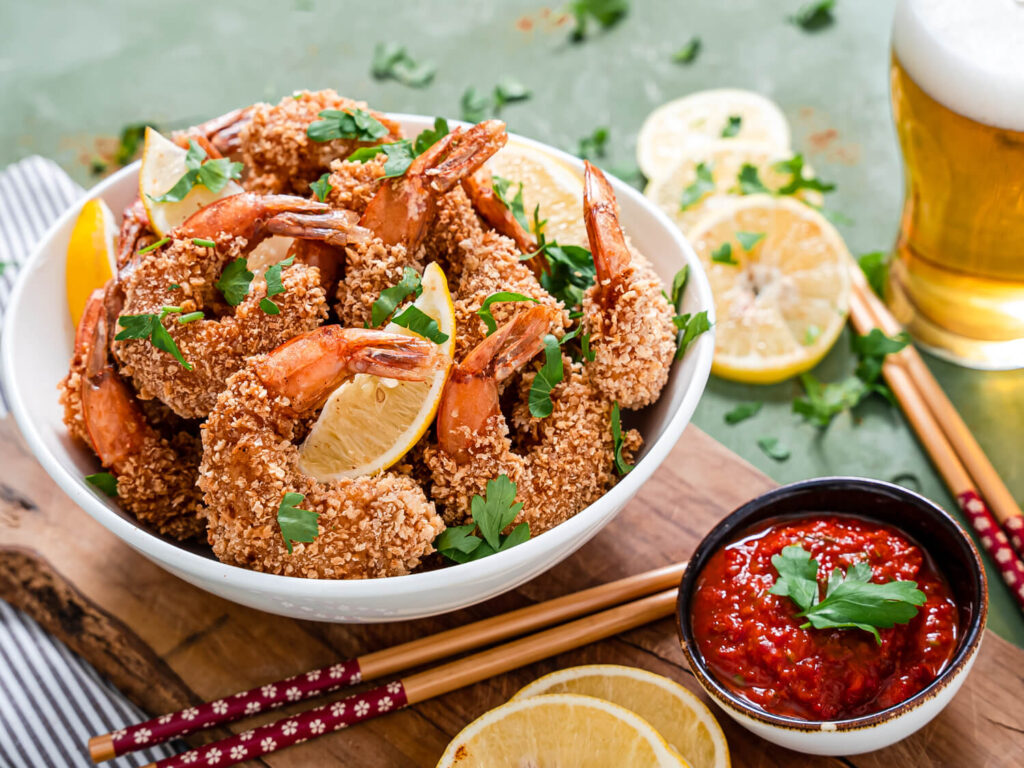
(691, 326)
(749, 239)
(150, 326)
(570, 272)
(679, 281)
(547, 378)
(104, 481)
(357, 124)
(814, 16)
(418, 321)
(203, 242)
(173, 287)
(392, 61)
(212, 174)
(191, 317)
(875, 266)
(430, 136)
(274, 285)
(702, 185)
(748, 182)
(688, 53)
(607, 13)
(474, 105)
(322, 186)
(593, 147)
(501, 188)
(492, 513)
(297, 525)
(235, 281)
(509, 90)
(773, 448)
(501, 296)
(742, 412)
(799, 178)
(390, 298)
(732, 126)
(130, 142)
(154, 246)
(723, 255)
(621, 465)
(588, 353)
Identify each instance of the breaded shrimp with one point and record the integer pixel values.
(630, 322)
(184, 274)
(560, 464)
(373, 526)
(156, 475)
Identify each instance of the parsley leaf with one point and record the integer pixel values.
(400, 155)
(322, 187)
(509, 90)
(501, 296)
(814, 16)
(588, 354)
(235, 281)
(772, 447)
(871, 350)
(104, 481)
(798, 576)
(732, 126)
(794, 166)
(621, 465)
(212, 174)
(150, 326)
(355, 124)
(679, 281)
(296, 524)
(723, 255)
(501, 188)
(742, 412)
(875, 266)
(418, 321)
(748, 182)
(274, 285)
(390, 298)
(749, 239)
(702, 185)
(492, 513)
(592, 147)
(391, 60)
(474, 105)
(607, 13)
(688, 53)
(691, 326)
(570, 272)
(130, 142)
(430, 136)
(549, 375)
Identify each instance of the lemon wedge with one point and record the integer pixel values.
(676, 713)
(782, 306)
(676, 127)
(559, 731)
(91, 260)
(370, 422)
(163, 163)
(723, 160)
(547, 182)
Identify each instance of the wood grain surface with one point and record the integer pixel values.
(167, 644)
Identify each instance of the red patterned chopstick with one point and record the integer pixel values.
(995, 543)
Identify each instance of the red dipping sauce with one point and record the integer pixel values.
(752, 642)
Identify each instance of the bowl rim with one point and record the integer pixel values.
(737, 520)
(519, 558)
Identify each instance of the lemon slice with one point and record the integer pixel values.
(548, 182)
(268, 253)
(677, 714)
(559, 731)
(163, 163)
(724, 160)
(676, 127)
(91, 259)
(782, 307)
(370, 422)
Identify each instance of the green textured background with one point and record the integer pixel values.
(72, 72)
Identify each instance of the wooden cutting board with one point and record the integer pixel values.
(167, 644)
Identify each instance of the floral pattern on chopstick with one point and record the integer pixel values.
(994, 541)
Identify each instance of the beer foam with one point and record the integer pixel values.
(966, 54)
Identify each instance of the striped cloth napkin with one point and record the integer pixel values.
(51, 701)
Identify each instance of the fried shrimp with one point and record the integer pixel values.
(373, 526)
(559, 464)
(184, 275)
(630, 323)
(156, 475)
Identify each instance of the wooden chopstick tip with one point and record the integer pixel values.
(101, 748)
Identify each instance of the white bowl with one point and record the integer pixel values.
(37, 345)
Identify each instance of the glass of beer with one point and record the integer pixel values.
(957, 276)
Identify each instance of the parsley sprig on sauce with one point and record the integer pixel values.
(212, 174)
(492, 513)
(851, 600)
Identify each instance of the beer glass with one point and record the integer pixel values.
(957, 275)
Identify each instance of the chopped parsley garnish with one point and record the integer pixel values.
(593, 146)
(690, 326)
(496, 298)
(274, 285)
(202, 242)
(474, 105)
(852, 600)
(688, 53)
(173, 287)
(622, 466)
(130, 142)
(749, 181)
(297, 525)
(749, 239)
(723, 255)
(191, 317)
(509, 90)
(428, 137)
(772, 448)
(742, 412)
(492, 513)
(799, 179)
(235, 281)
(679, 281)
(392, 61)
(549, 376)
(501, 188)
(154, 246)
(814, 16)
(150, 326)
(355, 124)
(401, 153)
(322, 186)
(732, 126)
(418, 321)
(607, 13)
(390, 298)
(875, 266)
(702, 185)
(871, 350)
(212, 174)
(588, 354)
(570, 272)
(104, 481)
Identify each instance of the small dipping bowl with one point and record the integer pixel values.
(950, 548)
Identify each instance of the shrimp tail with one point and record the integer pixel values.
(244, 215)
(480, 189)
(336, 227)
(607, 242)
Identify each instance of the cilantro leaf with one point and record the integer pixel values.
(130, 142)
(501, 188)
(150, 326)
(297, 525)
(215, 174)
(772, 448)
(702, 185)
(547, 378)
(749, 239)
(748, 182)
(691, 326)
(355, 124)
(274, 285)
(621, 465)
(588, 354)
(607, 13)
(418, 321)
(322, 186)
(570, 272)
(401, 153)
(798, 576)
(104, 481)
(592, 147)
(688, 53)
(732, 126)
(269, 307)
(501, 296)
(235, 281)
(508, 90)
(390, 298)
(723, 255)
(799, 179)
(822, 402)
(474, 105)
(492, 513)
(742, 412)
(814, 16)
(456, 542)
(871, 350)
(679, 281)
(875, 266)
(430, 136)
(392, 61)
(212, 174)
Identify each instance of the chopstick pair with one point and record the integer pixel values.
(652, 594)
(964, 467)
